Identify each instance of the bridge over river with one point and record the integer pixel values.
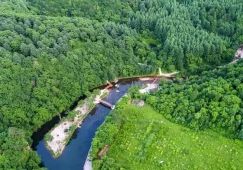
(107, 104)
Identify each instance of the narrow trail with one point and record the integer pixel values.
(167, 74)
(160, 72)
(238, 56)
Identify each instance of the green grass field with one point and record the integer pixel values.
(147, 141)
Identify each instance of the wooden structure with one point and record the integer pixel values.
(109, 85)
(107, 104)
(103, 151)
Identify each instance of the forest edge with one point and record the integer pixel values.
(58, 137)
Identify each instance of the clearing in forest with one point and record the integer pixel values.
(144, 139)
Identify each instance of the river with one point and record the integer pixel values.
(75, 153)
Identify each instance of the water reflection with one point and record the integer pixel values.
(74, 155)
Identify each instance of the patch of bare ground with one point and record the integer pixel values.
(238, 56)
(167, 74)
(60, 135)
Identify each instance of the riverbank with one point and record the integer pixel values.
(141, 77)
(58, 137)
(88, 162)
(75, 153)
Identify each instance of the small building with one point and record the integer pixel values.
(239, 52)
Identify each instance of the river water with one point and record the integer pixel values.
(75, 153)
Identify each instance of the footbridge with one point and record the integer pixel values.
(109, 85)
(107, 104)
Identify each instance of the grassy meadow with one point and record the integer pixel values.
(145, 140)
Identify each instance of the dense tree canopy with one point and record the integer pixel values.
(190, 33)
(47, 63)
(52, 52)
(211, 100)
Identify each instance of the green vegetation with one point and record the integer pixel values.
(43, 72)
(48, 137)
(192, 33)
(71, 122)
(211, 100)
(15, 150)
(209, 104)
(141, 138)
(52, 52)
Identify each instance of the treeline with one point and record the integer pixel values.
(106, 134)
(102, 10)
(52, 52)
(15, 151)
(212, 100)
(191, 33)
(47, 63)
(141, 138)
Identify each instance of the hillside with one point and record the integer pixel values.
(141, 138)
(52, 52)
(190, 124)
(211, 100)
(47, 63)
(189, 33)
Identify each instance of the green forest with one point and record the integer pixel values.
(52, 52)
(213, 100)
(187, 124)
(141, 138)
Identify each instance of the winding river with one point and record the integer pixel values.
(75, 153)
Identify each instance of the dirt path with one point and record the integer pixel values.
(167, 74)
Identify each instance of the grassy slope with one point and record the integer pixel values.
(146, 139)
